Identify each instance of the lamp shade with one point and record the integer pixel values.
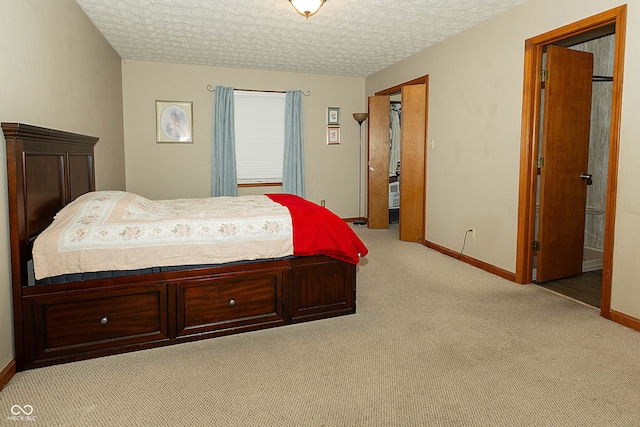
(307, 8)
(360, 117)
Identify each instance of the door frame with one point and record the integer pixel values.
(529, 140)
(394, 90)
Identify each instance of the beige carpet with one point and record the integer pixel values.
(434, 342)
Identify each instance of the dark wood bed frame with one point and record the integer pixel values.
(57, 323)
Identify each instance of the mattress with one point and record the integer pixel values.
(113, 231)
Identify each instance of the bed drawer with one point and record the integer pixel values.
(99, 320)
(320, 292)
(221, 304)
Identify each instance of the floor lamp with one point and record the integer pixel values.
(360, 117)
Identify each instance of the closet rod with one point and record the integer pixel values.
(212, 88)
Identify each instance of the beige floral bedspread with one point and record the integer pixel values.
(113, 230)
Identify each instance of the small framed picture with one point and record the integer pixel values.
(333, 116)
(333, 135)
(174, 121)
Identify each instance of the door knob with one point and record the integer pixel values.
(587, 177)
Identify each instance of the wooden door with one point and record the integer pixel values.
(565, 150)
(412, 162)
(378, 162)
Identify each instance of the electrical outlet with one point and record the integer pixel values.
(322, 203)
(472, 233)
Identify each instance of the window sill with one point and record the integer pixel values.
(261, 184)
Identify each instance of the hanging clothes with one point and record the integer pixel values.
(395, 134)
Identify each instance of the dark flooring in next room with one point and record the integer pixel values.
(585, 287)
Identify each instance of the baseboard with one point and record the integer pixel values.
(7, 373)
(625, 320)
(472, 261)
(592, 259)
(354, 219)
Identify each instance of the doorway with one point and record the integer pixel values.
(598, 26)
(578, 276)
(409, 178)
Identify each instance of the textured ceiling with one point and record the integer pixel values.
(346, 37)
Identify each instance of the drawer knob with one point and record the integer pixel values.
(232, 302)
(104, 320)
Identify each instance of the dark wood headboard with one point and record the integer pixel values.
(46, 169)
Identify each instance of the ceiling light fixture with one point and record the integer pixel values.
(307, 8)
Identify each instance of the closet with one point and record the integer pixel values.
(411, 180)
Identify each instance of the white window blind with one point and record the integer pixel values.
(259, 128)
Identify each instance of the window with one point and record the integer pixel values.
(259, 129)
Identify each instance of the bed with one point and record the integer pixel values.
(62, 316)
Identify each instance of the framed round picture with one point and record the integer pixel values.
(174, 121)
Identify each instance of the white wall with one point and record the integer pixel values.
(57, 72)
(475, 107)
(161, 171)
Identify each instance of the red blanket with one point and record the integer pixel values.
(318, 231)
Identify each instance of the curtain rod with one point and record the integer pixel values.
(211, 88)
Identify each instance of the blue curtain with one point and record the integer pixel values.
(293, 168)
(224, 181)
